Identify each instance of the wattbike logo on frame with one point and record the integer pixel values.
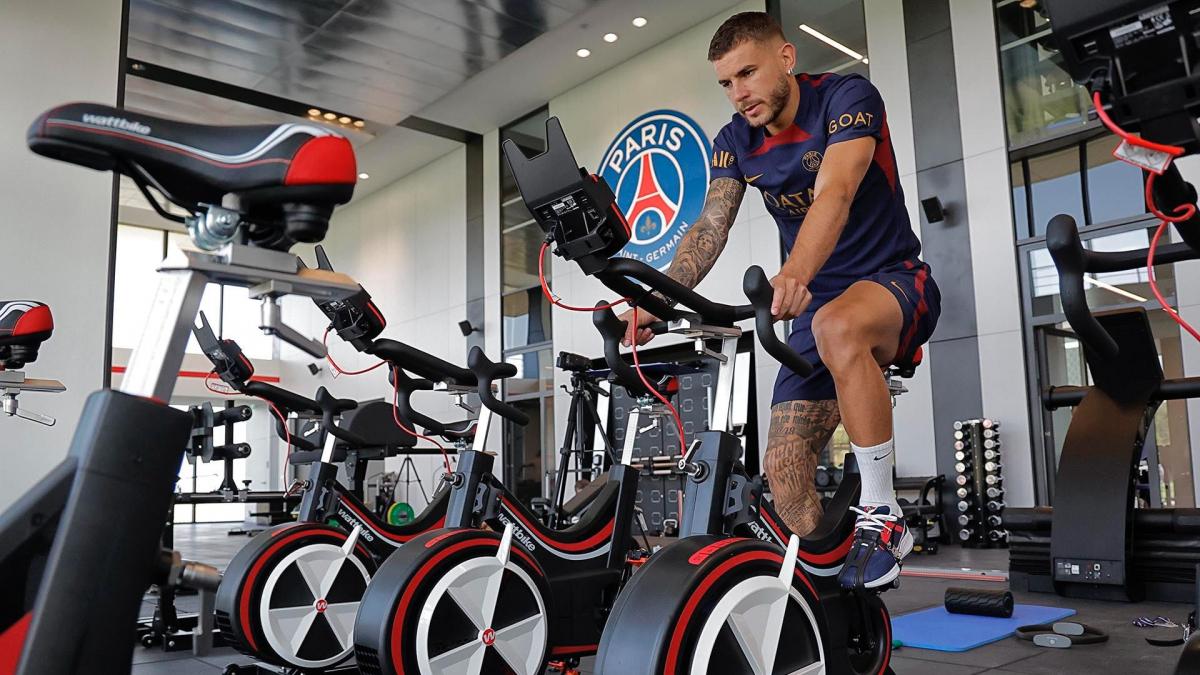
(658, 169)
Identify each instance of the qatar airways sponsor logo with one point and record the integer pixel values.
(518, 533)
(114, 122)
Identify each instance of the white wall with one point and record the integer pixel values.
(405, 243)
(57, 217)
(1002, 372)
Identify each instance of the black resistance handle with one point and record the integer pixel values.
(285, 400)
(710, 312)
(421, 363)
(331, 407)
(405, 386)
(1071, 259)
(486, 371)
(760, 293)
(612, 330)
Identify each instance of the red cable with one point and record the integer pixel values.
(1172, 150)
(329, 358)
(1183, 211)
(1188, 210)
(410, 432)
(554, 299)
(637, 366)
(286, 433)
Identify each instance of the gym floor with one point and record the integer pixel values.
(1125, 652)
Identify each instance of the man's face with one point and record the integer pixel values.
(755, 78)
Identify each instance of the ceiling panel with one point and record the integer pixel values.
(378, 59)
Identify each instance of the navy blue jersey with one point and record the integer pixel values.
(833, 108)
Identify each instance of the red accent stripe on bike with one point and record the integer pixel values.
(703, 554)
(887, 641)
(244, 600)
(196, 373)
(384, 533)
(411, 587)
(827, 558)
(577, 649)
(35, 320)
(591, 542)
(690, 608)
(324, 160)
(771, 524)
(12, 640)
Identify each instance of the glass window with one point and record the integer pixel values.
(535, 373)
(1056, 188)
(1020, 200)
(1167, 444)
(1102, 289)
(1115, 188)
(526, 318)
(521, 247)
(1040, 99)
(523, 451)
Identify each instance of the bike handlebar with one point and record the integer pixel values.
(486, 371)
(617, 273)
(612, 330)
(421, 363)
(759, 291)
(405, 386)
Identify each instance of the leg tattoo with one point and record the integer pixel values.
(799, 431)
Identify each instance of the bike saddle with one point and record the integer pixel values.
(375, 423)
(283, 166)
(24, 326)
(906, 368)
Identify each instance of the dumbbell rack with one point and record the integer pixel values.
(979, 484)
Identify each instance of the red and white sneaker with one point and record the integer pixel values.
(881, 541)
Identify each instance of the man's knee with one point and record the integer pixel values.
(840, 338)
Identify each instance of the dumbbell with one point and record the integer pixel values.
(994, 493)
(990, 444)
(964, 492)
(992, 467)
(993, 479)
(991, 424)
(965, 519)
(964, 506)
(994, 521)
(994, 506)
(998, 535)
(965, 534)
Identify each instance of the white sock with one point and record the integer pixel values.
(875, 466)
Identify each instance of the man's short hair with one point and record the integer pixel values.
(744, 27)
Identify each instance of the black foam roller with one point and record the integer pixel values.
(978, 601)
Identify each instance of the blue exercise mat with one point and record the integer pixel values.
(935, 628)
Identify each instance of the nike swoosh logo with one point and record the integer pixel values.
(901, 291)
(751, 179)
(880, 459)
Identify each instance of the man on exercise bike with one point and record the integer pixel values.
(819, 150)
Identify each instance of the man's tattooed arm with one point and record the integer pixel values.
(704, 242)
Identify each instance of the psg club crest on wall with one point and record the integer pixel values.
(658, 168)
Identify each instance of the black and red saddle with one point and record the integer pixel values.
(24, 326)
(266, 172)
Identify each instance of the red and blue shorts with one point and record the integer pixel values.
(920, 302)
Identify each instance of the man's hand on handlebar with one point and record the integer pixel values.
(644, 319)
(791, 296)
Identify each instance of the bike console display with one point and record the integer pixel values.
(1143, 55)
(575, 208)
(228, 361)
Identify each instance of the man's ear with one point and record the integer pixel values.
(787, 53)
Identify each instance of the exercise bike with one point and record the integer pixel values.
(74, 582)
(468, 600)
(714, 601)
(289, 596)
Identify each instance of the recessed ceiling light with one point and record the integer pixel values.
(314, 112)
(331, 116)
(364, 175)
(344, 120)
(583, 53)
(359, 123)
(610, 37)
(639, 22)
